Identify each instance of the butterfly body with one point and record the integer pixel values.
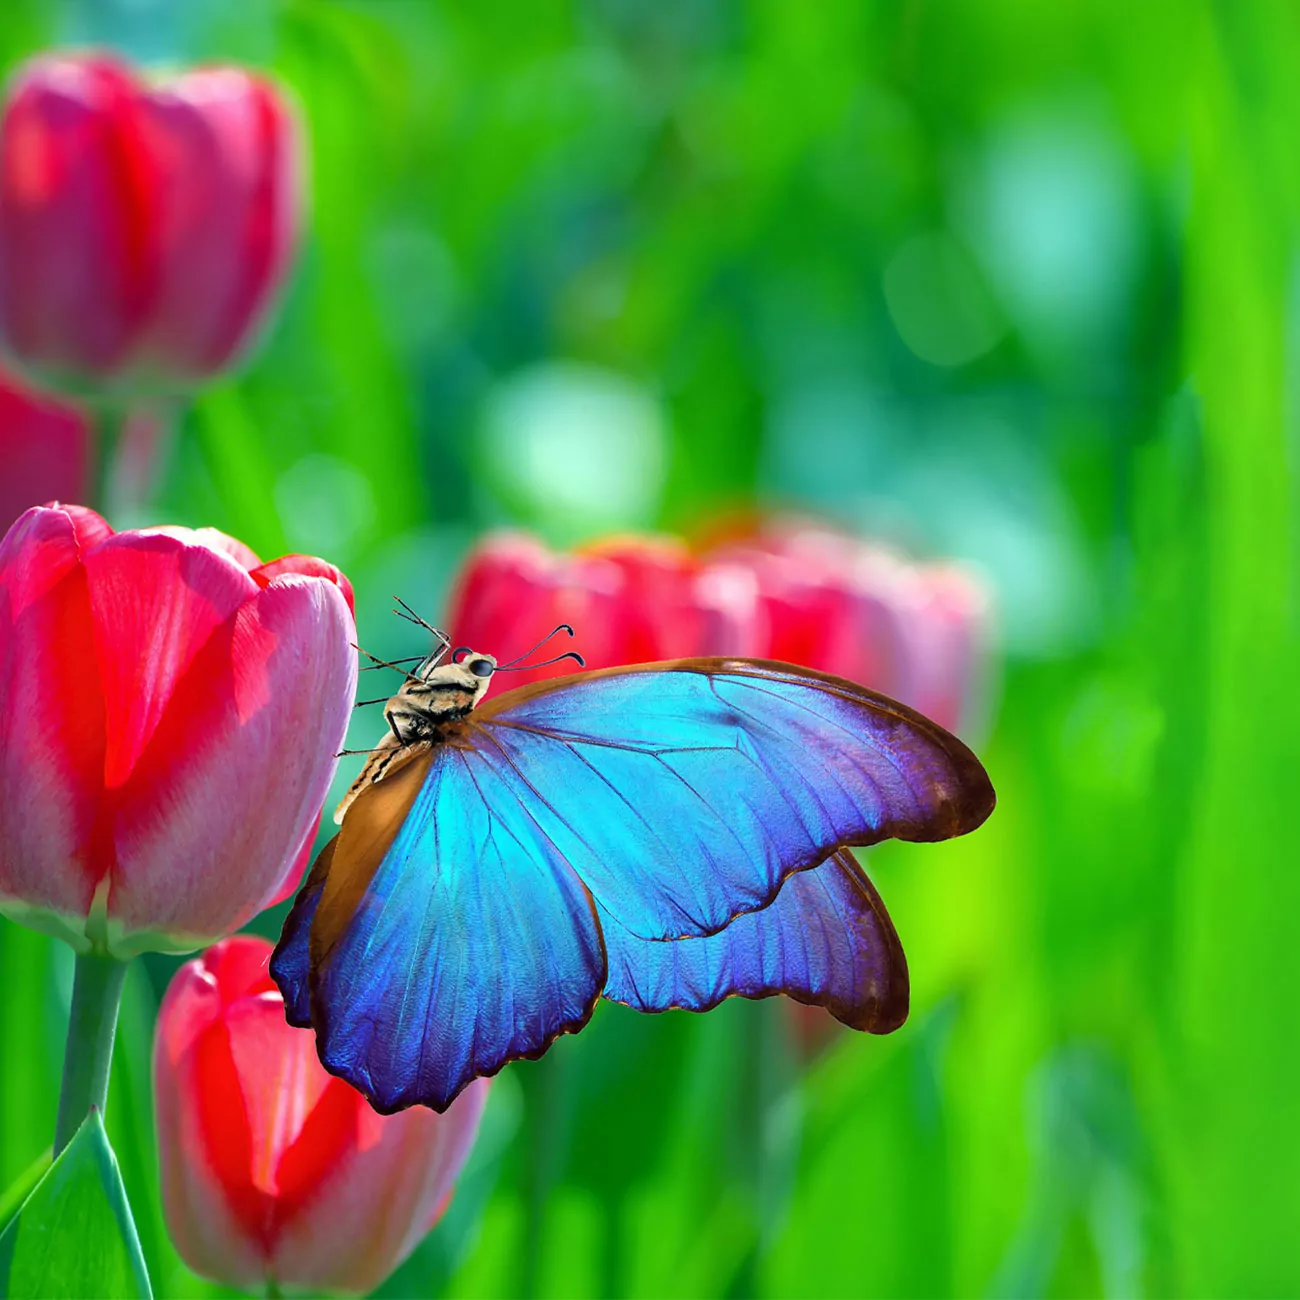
(433, 698)
(666, 835)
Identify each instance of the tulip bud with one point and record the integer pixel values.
(272, 1171)
(143, 229)
(628, 599)
(44, 449)
(171, 710)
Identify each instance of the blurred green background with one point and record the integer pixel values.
(1009, 281)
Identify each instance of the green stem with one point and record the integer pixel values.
(96, 994)
(132, 441)
(107, 418)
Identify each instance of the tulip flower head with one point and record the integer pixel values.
(271, 1169)
(144, 229)
(919, 632)
(631, 600)
(171, 709)
(793, 590)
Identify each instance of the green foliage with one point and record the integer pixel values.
(1009, 281)
(74, 1235)
(21, 1188)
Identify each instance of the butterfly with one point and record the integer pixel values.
(663, 835)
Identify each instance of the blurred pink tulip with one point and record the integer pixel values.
(272, 1171)
(630, 600)
(44, 451)
(172, 711)
(792, 590)
(144, 229)
(919, 633)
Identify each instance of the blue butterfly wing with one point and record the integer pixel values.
(291, 961)
(684, 793)
(457, 924)
(448, 938)
(825, 939)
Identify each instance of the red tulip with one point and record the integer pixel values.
(143, 228)
(44, 449)
(629, 600)
(172, 708)
(271, 1169)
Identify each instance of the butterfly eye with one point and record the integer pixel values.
(480, 667)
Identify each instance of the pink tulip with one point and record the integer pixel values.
(272, 1171)
(144, 229)
(917, 632)
(629, 600)
(172, 708)
(44, 451)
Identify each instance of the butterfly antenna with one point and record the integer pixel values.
(444, 641)
(381, 663)
(411, 659)
(555, 631)
(546, 663)
(361, 704)
(405, 611)
(345, 753)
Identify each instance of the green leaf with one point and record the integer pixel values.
(74, 1235)
(22, 1187)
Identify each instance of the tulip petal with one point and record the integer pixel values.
(223, 798)
(273, 1169)
(156, 601)
(205, 1147)
(213, 538)
(44, 448)
(228, 216)
(307, 566)
(298, 864)
(76, 190)
(382, 1201)
(51, 726)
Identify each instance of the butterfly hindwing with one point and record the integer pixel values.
(825, 939)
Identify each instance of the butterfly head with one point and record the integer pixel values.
(468, 670)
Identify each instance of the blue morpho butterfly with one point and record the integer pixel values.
(666, 835)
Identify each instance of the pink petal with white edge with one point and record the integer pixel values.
(307, 566)
(52, 723)
(156, 600)
(298, 865)
(221, 800)
(200, 1219)
(383, 1200)
(213, 538)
